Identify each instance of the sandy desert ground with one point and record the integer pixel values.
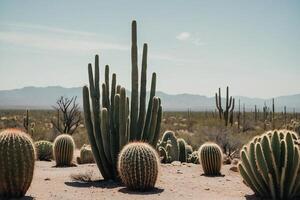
(183, 181)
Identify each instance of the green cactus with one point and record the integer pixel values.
(182, 150)
(44, 150)
(163, 155)
(270, 165)
(211, 158)
(173, 149)
(138, 166)
(86, 155)
(63, 150)
(112, 125)
(189, 150)
(17, 158)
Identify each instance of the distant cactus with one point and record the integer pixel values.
(17, 157)
(211, 158)
(63, 149)
(164, 157)
(86, 155)
(182, 150)
(44, 150)
(270, 165)
(138, 166)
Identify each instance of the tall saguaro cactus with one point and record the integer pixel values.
(227, 113)
(114, 124)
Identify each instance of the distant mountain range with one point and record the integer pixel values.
(45, 97)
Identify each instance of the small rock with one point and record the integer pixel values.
(234, 168)
(179, 172)
(47, 179)
(206, 189)
(235, 161)
(176, 163)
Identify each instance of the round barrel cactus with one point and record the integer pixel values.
(211, 158)
(270, 165)
(138, 166)
(17, 157)
(86, 155)
(44, 150)
(63, 149)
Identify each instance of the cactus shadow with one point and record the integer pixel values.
(153, 191)
(98, 184)
(218, 175)
(252, 197)
(27, 198)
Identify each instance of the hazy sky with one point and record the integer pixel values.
(194, 46)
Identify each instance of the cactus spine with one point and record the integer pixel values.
(44, 150)
(17, 157)
(63, 149)
(86, 155)
(113, 125)
(138, 166)
(270, 165)
(211, 158)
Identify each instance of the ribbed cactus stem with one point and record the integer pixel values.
(63, 149)
(138, 166)
(182, 150)
(211, 158)
(17, 158)
(270, 165)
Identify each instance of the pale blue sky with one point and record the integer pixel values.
(194, 46)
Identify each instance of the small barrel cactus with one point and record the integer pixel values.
(182, 150)
(211, 158)
(44, 150)
(270, 165)
(17, 157)
(138, 166)
(63, 149)
(86, 155)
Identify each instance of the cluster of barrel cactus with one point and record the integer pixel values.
(270, 165)
(86, 155)
(113, 124)
(172, 149)
(44, 150)
(17, 158)
(63, 150)
(138, 165)
(211, 158)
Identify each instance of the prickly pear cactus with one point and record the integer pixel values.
(44, 150)
(63, 149)
(211, 158)
(17, 157)
(138, 166)
(270, 165)
(86, 155)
